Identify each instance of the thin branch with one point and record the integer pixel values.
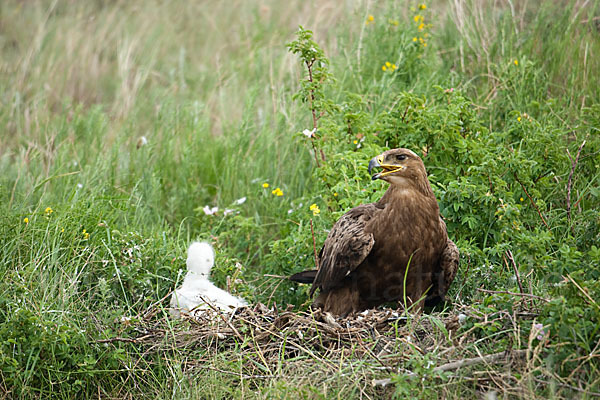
(582, 290)
(564, 385)
(531, 200)
(116, 339)
(311, 98)
(488, 359)
(275, 276)
(509, 255)
(312, 231)
(533, 296)
(220, 314)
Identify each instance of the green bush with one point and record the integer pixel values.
(499, 116)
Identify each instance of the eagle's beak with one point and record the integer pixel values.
(377, 162)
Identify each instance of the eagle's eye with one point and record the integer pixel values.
(401, 157)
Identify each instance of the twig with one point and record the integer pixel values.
(289, 342)
(116, 339)
(575, 388)
(514, 265)
(275, 276)
(404, 115)
(274, 290)
(490, 358)
(312, 109)
(533, 296)
(570, 180)
(237, 333)
(583, 291)
(312, 231)
(151, 310)
(531, 200)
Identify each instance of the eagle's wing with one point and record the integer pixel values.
(445, 271)
(448, 266)
(345, 248)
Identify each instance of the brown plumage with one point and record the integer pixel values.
(364, 260)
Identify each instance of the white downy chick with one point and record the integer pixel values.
(196, 289)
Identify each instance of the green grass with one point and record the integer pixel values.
(211, 86)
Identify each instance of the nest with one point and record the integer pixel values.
(367, 350)
(380, 336)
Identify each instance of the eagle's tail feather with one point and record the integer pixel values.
(304, 276)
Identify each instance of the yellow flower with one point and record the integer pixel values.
(421, 26)
(26, 220)
(277, 192)
(265, 185)
(418, 18)
(370, 19)
(355, 142)
(414, 39)
(48, 211)
(421, 40)
(519, 119)
(315, 209)
(388, 64)
(335, 194)
(516, 62)
(422, 6)
(394, 66)
(383, 68)
(62, 230)
(86, 235)
(424, 44)
(522, 199)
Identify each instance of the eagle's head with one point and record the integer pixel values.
(400, 167)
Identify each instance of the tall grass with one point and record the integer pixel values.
(209, 87)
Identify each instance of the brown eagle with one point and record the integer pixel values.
(396, 249)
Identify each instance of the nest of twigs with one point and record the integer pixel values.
(376, 334)
(382, 338)
(372, 346)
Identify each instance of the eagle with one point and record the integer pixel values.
(394, 250)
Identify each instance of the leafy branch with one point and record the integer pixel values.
(312, 88)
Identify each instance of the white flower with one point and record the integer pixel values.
(290, 211)
(240, 201)
(462, 318)
(308, 133)
(228, 211)
(210, 211)
(142, 141)
(79, 186)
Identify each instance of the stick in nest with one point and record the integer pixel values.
(451, 366)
